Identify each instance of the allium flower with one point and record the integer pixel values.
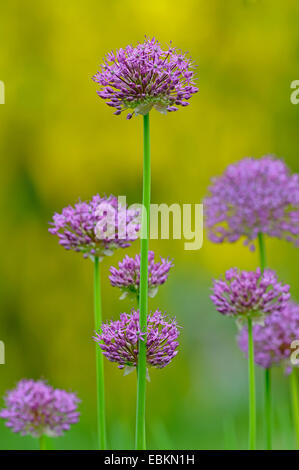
(144, 77)
(253, 196)
(250, 294)
(127, 277)
(36, 408)
(272, 342)
(119, 339)
(96, 227)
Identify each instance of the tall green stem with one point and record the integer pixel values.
(101, 419)
(42, 442)
(251, 376)
(262, 249)
(143, 299)
(268, 409)
(267, 380)
(295, 401)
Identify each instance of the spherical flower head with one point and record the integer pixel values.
(253, 196)
(36, 408)
(127, 276)
(96, 227)
(143, 77)
(272, 342)
(249, 294)
(119, 339)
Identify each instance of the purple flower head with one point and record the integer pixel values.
(127, 277)
(119, 339)
(96, 227)
(143, 77)
(249, 294)
(272, 342)
(253, 196)
(36, 408)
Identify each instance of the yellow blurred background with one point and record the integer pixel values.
(60, 142)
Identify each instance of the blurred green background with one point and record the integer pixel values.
(59, 142)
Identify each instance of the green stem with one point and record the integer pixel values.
(295, 401)
(252, 405)
(42, 442)
(268, 409)
(101, 420)
(143, 299)
(268, 400)
(262, 247)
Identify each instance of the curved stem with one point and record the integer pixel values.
(101, 420)
(295, 401)
(251, 375)
(42, 442)
(143, 299)
(268, 409)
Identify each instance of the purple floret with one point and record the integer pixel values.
(272, 342)
(143, 77)
(253, 196)
(36, 408)
(127, 276)
(119, 339)
(96, 227)
(250, 294)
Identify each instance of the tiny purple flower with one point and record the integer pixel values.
(144, 77)
(127, 277)
(253, 196)
(119, 339)
(272, 342)
(249, 294)
(36, 408)
(96, 227)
